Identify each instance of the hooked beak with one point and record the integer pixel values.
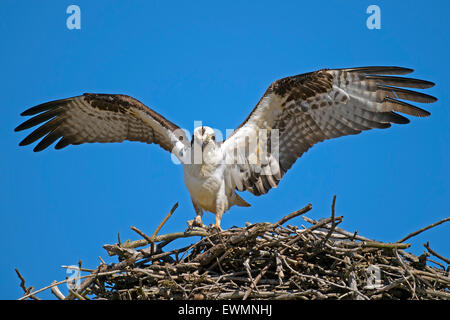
(204, 143)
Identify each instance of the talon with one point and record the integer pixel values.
(190, 224)
(216, 227)
(196, 223)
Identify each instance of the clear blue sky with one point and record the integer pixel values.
(208, 61)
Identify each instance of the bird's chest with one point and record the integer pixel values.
(203, 188)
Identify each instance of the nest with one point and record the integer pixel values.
(264, 261)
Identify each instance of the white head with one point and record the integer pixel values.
(204, 137)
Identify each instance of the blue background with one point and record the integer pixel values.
(208, 61)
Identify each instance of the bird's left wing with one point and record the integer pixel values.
(299, 111)
(98, 118)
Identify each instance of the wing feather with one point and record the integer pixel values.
(317, 106)
(98, 118)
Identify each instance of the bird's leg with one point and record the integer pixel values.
(198, 219)
(197, 222)
(219, 214)
(221, 205)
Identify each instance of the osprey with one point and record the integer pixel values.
(294, 114)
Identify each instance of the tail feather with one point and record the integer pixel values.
(240, 202)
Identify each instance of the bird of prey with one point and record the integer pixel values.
(294, 113)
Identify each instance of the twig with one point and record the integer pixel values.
(143, 235)
(424, 229)
(166, 237)
(77, 295)
(333, 223)
(27, 291)
(90, 276)
(255, 282)
(165, 219)
(434, 253)
(292, 215)
(55, 290)
(261, 261)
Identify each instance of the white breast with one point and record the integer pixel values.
(203, 183)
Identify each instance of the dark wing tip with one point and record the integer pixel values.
(40, 108)
(47, 140)
(398, 119)
(64, 142)
(393, 70)
(424, 113)
(405, 94)
(23, 143)
(47, 106)
(400, 81)
(36, 149)
(432, 99)
(28, 112)
(427, 84)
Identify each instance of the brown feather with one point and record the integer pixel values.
(380, 70)
(329, 103)
(400, 82)
(404, 107)
(398, 93)
(96, 118)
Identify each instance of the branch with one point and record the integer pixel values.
(427, 246)
(292, 215)
(27, 291)
(165, 237)
(333, 223)
(424, 229)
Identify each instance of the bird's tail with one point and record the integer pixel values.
(240, 202)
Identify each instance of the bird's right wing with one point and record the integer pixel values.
(99, 118)
(305, 109)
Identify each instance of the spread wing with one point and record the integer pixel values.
(98, 118)
(313, 107)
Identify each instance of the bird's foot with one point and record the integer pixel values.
(196, 223)
(216, 228)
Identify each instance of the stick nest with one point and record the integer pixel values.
(265, 261)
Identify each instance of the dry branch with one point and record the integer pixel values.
(263, 261)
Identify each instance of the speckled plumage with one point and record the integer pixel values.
(316, 106)
(294, 114)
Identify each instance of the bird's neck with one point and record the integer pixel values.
(206, 164)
